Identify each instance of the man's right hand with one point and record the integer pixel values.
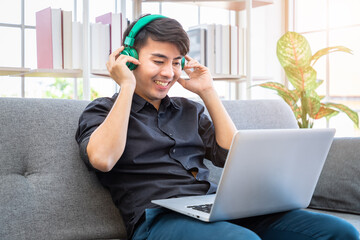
(118, 70)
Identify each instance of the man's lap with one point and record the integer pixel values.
(296, 224)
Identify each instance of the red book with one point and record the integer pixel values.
(49, 38)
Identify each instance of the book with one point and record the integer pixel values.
(225, 50)
(95, 29)
(234, 50)
(77, 45)
(67, 39)
(218, 49)
(197, 44)
(124, 24)
(49, 38)
(104, 45)
(209, 45)
(114, 21)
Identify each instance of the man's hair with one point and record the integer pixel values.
(162, 30)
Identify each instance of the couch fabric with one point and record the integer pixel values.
(46, 191)
(338, 188)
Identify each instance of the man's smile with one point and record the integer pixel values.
(162, 83)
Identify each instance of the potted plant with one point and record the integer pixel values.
(294, 54)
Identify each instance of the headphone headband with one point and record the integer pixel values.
(142, 22)
(130, 39)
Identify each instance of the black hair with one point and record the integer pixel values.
(162, 30)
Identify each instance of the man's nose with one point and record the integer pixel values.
(167, 71)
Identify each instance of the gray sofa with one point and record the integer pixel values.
(46, 192)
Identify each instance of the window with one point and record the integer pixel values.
(326, 23)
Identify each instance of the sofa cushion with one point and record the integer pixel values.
(338, 187)
(46, 190)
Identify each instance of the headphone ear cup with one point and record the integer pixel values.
(182, 63)
(128, 51)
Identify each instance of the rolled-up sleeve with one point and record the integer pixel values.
(93, 115)
(213, 152)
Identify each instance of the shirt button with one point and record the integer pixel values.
(170, 134)
(174, 150)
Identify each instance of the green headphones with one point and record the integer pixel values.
(130, 39)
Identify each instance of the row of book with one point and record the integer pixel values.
(59, 40)
(216, 46)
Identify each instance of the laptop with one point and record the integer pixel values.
(266, 171)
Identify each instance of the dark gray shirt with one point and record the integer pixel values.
(163, 149)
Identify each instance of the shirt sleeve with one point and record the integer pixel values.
(93, 115)
(216, 154)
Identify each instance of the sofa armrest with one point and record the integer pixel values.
(338, 188)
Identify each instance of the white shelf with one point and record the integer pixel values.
(236, 5)
(5, 71)
(60, 73)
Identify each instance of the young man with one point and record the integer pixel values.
(144, 145)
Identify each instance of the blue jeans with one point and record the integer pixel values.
(293, 225)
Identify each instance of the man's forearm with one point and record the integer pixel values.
(107, 142)
(224, 126)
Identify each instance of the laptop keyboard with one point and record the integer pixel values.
(203, 208)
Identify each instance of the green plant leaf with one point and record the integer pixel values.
(328, 50)
(325, 112)
(289, 96)
(350, 113)
(311, 102)
(293, 50)
(302, 78)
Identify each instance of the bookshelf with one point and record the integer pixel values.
(56, 73)
(237, 6)
(10, 71)
(86, 73)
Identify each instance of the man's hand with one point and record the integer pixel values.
(200, 81)
(118, 70)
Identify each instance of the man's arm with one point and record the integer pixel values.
(201, 83)
(107, 143)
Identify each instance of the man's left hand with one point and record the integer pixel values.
(200, 78)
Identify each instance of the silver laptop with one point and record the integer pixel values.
(266, 171)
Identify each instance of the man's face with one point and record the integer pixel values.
(160, 68)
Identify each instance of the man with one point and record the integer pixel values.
(144, 145)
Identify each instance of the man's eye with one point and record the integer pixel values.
(159, 62)
(176, 63)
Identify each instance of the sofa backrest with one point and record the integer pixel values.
(46, 192)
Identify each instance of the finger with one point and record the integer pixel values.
(187, 71)
(188, 58)
(193, 64)
(113, 56)
(118, 51)
(125, 59)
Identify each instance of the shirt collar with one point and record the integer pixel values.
(139, 103)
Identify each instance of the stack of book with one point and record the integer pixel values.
(59, 40)
(216, 46)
